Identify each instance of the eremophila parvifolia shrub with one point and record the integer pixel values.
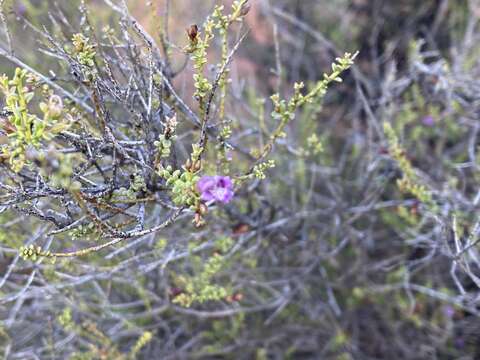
(219, 192)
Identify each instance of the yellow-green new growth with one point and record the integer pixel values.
(259, 169)
(409, 183)
(198, 49)
(30, 130)
(285, 111)
(200, 288)
(142, 341)
(85, 53)
(200, 43)
(182, 185)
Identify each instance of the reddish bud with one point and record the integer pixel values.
(188, 165)
(245, 9)
(192, 32)
(414, 208)
(202, 209)
(174, 292)
(383, 150)
(241, 229)
(238, 297)
(6, 125)
(197, 220)
(197, 165)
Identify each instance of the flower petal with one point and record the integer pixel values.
(225, 182)
(228, 196)
(215, 188)
(206, 183)
(207, 196)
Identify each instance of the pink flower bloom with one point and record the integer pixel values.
(215, 188)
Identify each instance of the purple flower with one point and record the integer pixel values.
(215, 188)
(20, 9)
(448, 311)
(459, 343)
(428, 121)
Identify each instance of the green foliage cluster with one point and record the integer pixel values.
(32, 252)
(409, 182)
(87, 231)
(259, 169)
(200, 43)
(182, 184)
(137, 185)
(99, 345)
(199, 288)
(85, 54)
(285, 111)
(29, 130)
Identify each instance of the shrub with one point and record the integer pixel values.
(296, 217)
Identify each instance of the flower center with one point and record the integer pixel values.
(219, 193)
